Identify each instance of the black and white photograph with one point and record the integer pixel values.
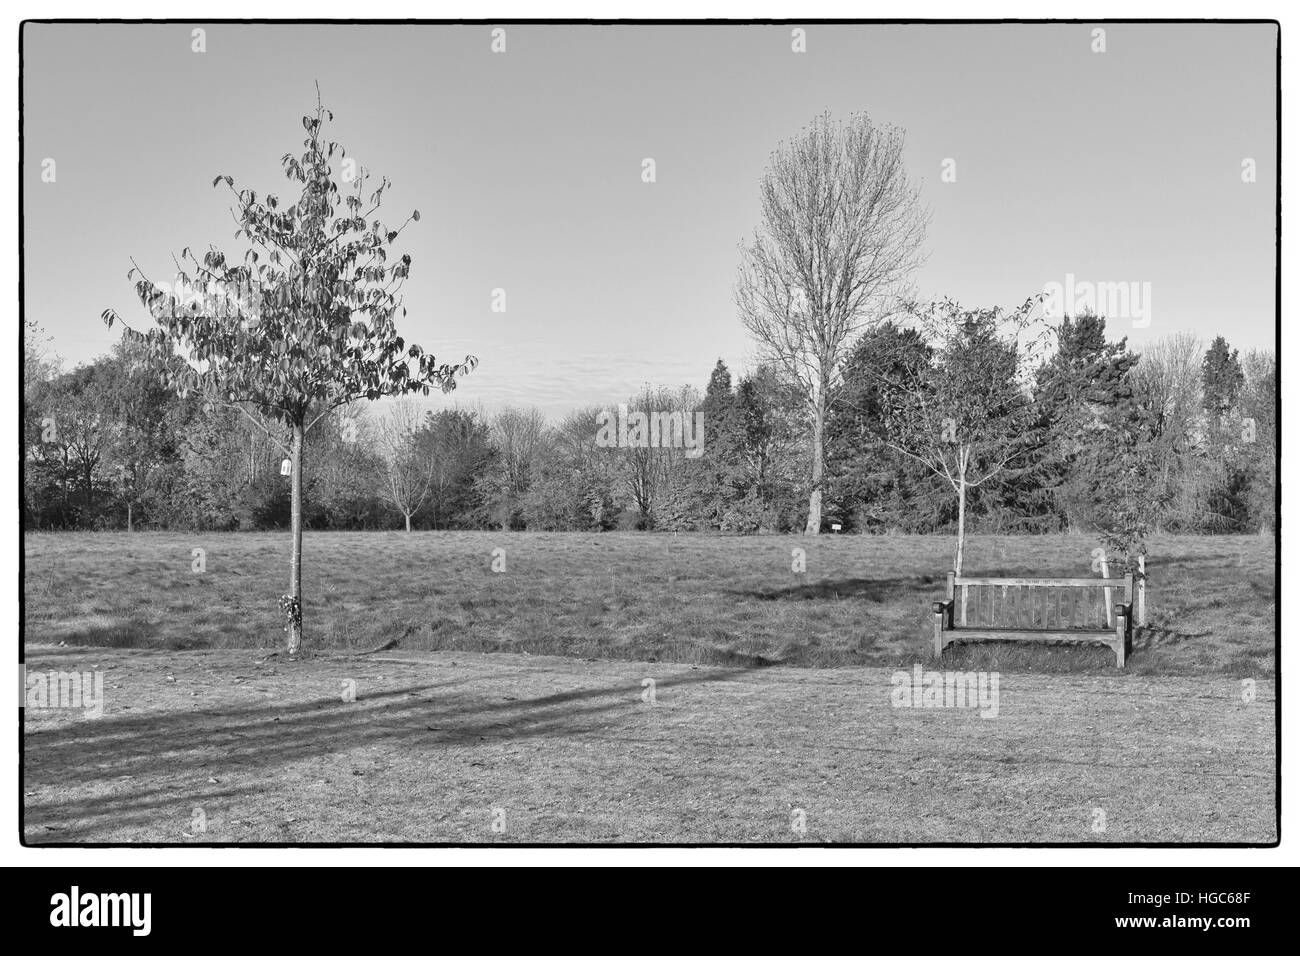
(624, 434)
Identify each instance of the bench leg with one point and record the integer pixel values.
(1121, 638)
(939, 620)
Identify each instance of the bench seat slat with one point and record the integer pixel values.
(1032, 634)
(1117, 583)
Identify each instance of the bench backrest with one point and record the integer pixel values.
(1048, 603)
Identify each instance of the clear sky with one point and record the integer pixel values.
(1122, 166)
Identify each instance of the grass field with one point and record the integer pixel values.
(240, 746)
(684, 599)
(772, 697)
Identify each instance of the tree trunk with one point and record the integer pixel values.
(408, 524)
(129, 527)
(814, 525)
(961, 523)
(294, 614)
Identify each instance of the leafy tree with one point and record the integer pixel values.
(965, 414)
(75, 407)
(407, 460)
(1098, 460)
(39, 366)
(461, 452)
(518, 439)
(1258, 436)
(1222, 381)
(718, 481)
(873, 486)
(572, 487)
(770, 458)
(702, 489)
(301, 324)
(1077, 391)
(1221, 378)
(142, 440)
(1121, 480)
(342, 486)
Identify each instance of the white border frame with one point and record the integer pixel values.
(12, 853)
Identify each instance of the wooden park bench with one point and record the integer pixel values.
(1076, 610)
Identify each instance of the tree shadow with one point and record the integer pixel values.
(870, 589)
(109, 631)
(164, 752)
(1148, 637)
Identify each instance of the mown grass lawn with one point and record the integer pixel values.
(647, 597)
(235, 746)
(772, 721)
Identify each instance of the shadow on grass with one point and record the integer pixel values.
(160, 761)
(1152, 636)
(117, 632)
(871, 589)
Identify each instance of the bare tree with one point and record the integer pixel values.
(517, 433)
(518, 437)
(1167, 383)
(1259, 408)
(408, 467)
(842, 228)
(1168, 379)
(458, 442)
(648, 467)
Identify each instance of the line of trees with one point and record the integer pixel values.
(934, 424)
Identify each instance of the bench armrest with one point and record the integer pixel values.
(944, 608)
